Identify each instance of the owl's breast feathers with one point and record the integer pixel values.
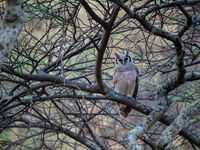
(126, 76)
(124, 71)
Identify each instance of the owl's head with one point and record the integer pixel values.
(122, 59)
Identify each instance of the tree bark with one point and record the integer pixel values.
(11, 27)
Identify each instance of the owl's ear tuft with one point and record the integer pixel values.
(116, 55)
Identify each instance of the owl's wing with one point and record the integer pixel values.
(136, 84)
(114, 77)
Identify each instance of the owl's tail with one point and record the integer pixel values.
(124, 110)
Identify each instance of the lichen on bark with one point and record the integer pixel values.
(182, 121)
(11, 27)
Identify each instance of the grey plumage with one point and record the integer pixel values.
(125, 79)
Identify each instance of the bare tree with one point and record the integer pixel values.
(56, 82)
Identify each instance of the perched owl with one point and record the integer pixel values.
(125, 79)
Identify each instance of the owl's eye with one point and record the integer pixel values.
(120, 60)
(126, 60)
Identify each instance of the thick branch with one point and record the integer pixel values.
(93, 14)
(146, 24)
(111, 95)
(171, 4)
(188, 22)
(102, 48)
(182, 121)
(11, 27)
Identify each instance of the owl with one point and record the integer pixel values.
(125, 79)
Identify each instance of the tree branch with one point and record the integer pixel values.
(93, 14)
(182, 121)
(102, 48)
(11, 27)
